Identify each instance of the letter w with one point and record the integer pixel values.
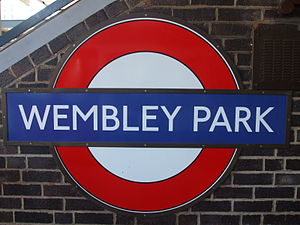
(34, 113)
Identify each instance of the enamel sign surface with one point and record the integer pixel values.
(147, 117)
(135, 95)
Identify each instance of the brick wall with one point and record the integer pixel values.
(263, 188)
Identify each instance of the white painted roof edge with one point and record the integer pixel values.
(50, 30)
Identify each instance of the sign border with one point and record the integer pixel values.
(150, 145)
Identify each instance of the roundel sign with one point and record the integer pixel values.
(145, 52)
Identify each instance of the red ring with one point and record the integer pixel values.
(139, 35)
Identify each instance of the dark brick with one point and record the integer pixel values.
(277, 192)
(76, 32)
(16, 162)
(251, 220)
(219, 219)
(44, 74)
(229, 192)
(280, 27)
(298, 135)
(296, 106)
(93, 218)
(281, 219)
(187, 220)
(244, 59)
(133, 3)
(256, 206)
(248, 164)
(238, 45)
(35, 150)
(41, 176)
(239, 14)
(63, 218)
(21, 189)
(6, 78)
(1, 132)
(41, 163)
(22, 67)
(161, 220)
(293, 164)
(10, 203)
(29, 78)
(293, 151)
(115, 8)
(298, 193)
(245, 74)
(200, 14)
(296, 12)
(202, 26)
(288, 206)
(273, 164)
(170, 2)
(33, 217)
(157, 10)
(40, 55)
(125, 219)
(51, 204)
(230, 29)
(287, 179)
(82, 204)
(228, 180)
(8, 149)
(59, 43)
(250, 179)
(9, 176)
(61, 190)
(52, 62)
(256, 152)
(2, 162)
(33, 85)
(258, 2)
(271, 14)
(295, 120)
(231, 55)
(292, 135)
(96, 19)
(212, 2)
(6, 217)
(212, 206)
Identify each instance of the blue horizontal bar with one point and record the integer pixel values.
(147, 118)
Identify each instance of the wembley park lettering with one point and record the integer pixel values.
(136, 118)
(148, 113)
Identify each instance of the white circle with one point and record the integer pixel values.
(145, 70)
